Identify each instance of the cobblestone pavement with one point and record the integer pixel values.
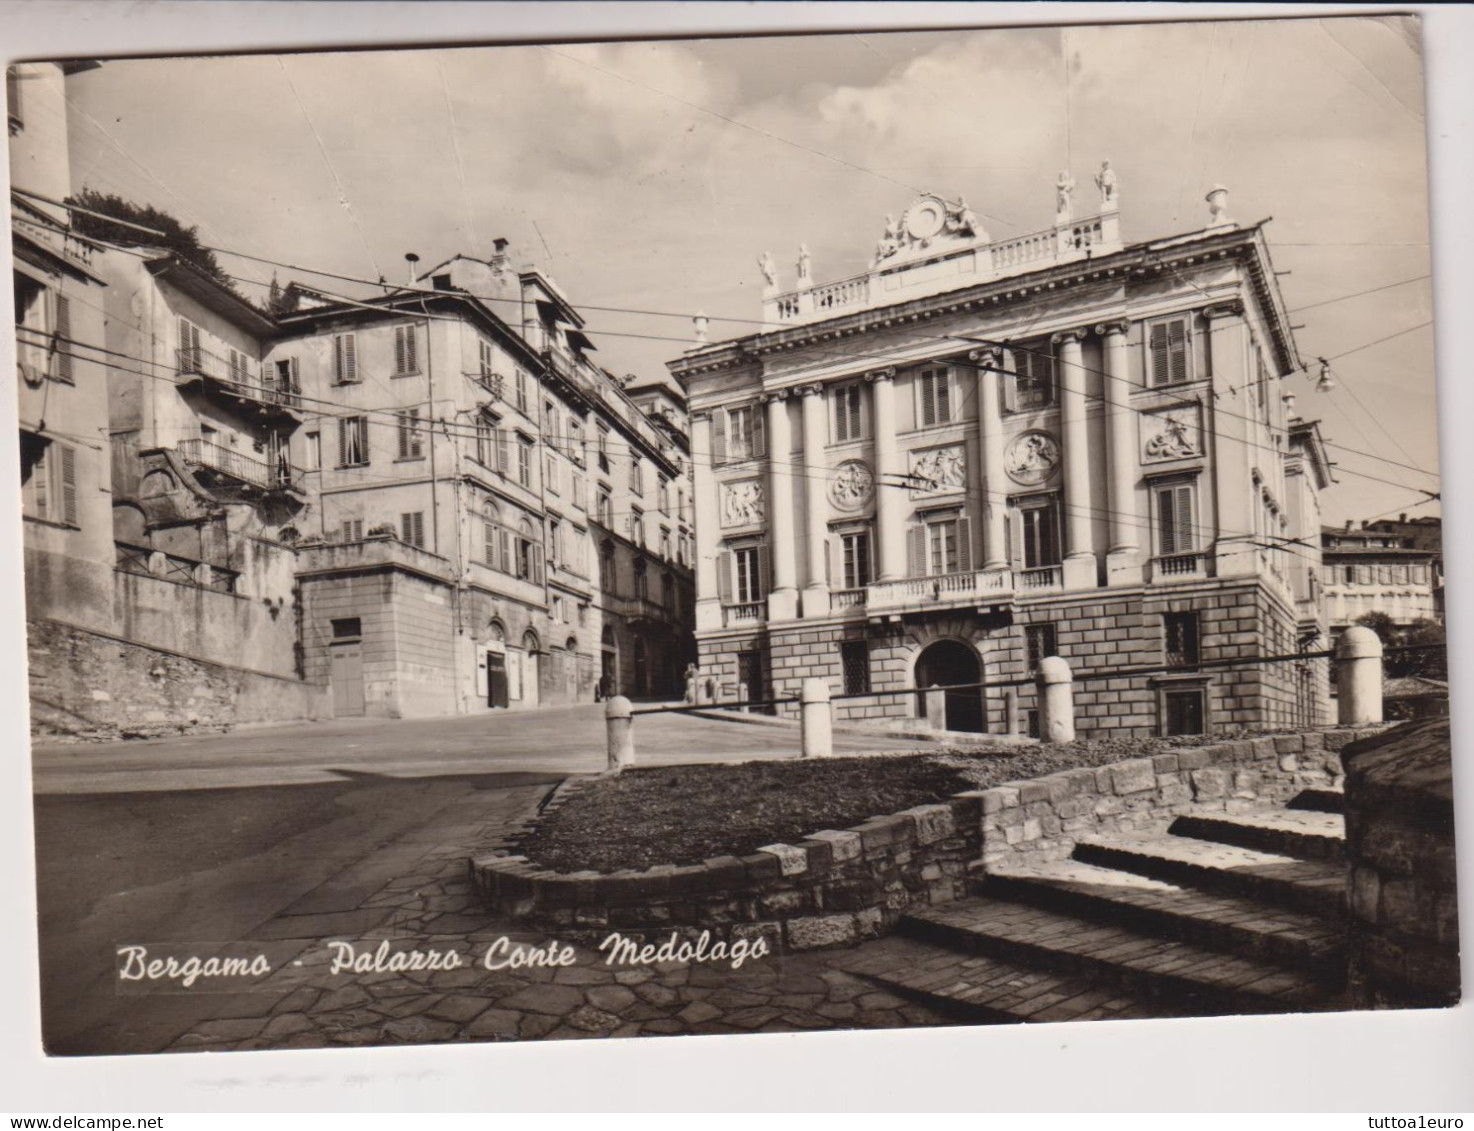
(416, 894)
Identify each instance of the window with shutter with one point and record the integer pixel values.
(410, 438)
(1167, 352)
(406, 353)
(934, 397)
(848, 421)
(63, 370)
(1039, 532)
(345, 359)
(724, 577)
(353, 530)
(916, 551)
(964, 544)
(41, 484)
(67, 483)
(352, 441)
(1175, 524)
(764, 572)
(1032, 384)
(757, 444)
(189, 347)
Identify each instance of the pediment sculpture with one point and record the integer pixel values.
(930, 220)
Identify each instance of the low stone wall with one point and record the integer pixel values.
(88, 686)
(1400, 849)
(838, 886)
(1034, 822)
(834, 887)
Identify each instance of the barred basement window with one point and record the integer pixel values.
(1180, 639)
(1041, 640)
(854, 659)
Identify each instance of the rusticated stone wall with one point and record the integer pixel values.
(1400, 849)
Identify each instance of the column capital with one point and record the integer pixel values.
(990, 357)
(1117, 326)
(702, 415)
(814, 390)
(775, 395)
(888, 373)
(1232, 308)
(1076, 335)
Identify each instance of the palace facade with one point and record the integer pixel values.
(982, 452)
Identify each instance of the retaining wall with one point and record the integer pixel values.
(838, 886)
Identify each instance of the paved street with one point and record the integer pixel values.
(555, 741)
(291, 836)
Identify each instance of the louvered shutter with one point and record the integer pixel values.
(764, 570)
(503, 450)
(41, 483)
(537, 564)
(944, 396)
(1012, 541)
(832, 548)
(1177, 350)
(1159, 354)
(916, 544)
(67, 484)
(758, 446)
(504, 547)
(345, 358)
(724, 576)
(857, 411)
(342, 440)
(64, 339)
(404, 433)
(718, 453)
(925, 383)
(1184, 515)
(488, 539)
(1017, 368)
(1166, 521)
(964, 544)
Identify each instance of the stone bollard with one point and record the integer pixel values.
(1056, 686)
(816, 728)
(1010, 711)
(1359, 677)
(621, 733)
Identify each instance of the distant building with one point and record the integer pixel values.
(981, 452)
(1394, 568)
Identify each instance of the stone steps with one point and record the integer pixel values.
(1316, 887)
(984, 989)
(1224, 922)
(1105, 954)
(1301, 833)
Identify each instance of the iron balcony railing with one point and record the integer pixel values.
(236, 465)
(244, 377)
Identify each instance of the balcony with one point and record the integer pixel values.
(146, 561)
(227, 463)
(1041, 579)
(843, 600)
(1179, 567)
(239, 383)
(948, 590)
(45, 231)
(749, 612)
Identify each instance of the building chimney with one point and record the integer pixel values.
(1402, 517)
(499, 255)
(411, 259)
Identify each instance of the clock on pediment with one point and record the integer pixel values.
(926, 218)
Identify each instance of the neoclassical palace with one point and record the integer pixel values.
(982, 452)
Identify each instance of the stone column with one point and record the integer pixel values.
(1123, 556)
(1079, 566)
(890, 501)
(708, 536)
(1227, 509)
(816, 510)
(990, 435)
(782, 550)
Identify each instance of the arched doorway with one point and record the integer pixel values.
(530, 669)
(943, 664)
(496, 664)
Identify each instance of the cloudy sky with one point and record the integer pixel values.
(650, 176)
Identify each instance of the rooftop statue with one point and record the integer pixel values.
(1105, 180)
(804, 264)
(770, 269)
(1064, 190)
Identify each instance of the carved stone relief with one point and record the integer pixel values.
(1031, 458)
(1175, 433)
(938, 471)
(742, 503)
(853, 485)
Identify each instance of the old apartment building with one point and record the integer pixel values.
(1391, 566)
(473, 471)
(981, 452)
(430, 502)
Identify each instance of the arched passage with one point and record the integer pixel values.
(943, 664)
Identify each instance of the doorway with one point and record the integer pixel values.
(496, 680)
(347, 679)
(751, 680)
(946, 663)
